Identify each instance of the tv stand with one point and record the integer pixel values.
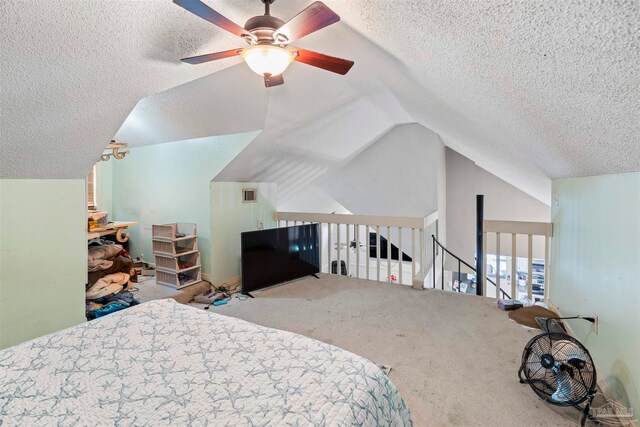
(316, 276)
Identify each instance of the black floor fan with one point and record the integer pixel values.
(560, 370)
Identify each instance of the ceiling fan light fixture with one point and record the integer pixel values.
(268, 37)
(267, 59)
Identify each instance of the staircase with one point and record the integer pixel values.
(461, 280)
(526, 276)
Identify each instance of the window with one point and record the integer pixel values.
(91, 189)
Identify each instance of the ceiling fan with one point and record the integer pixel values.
(268, 37)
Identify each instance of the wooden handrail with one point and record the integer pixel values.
(394, 225)
(371, 220)
(519, 227)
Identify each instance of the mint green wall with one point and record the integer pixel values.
(595, 268)
(230, 217)
(43, 257)
(164, 183)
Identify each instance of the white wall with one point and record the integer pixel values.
(396, 176)
(502, 201)
(43, 256)
(401, 174)
(595, 268)
(230, 217)
(311, 199)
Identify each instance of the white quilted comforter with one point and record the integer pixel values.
(162, 363)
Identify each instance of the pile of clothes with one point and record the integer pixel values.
(110, 304)
(110, 279)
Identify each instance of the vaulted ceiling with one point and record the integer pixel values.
(528, 90)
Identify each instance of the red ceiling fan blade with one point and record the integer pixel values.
(326, 62)
(311, 19)
(273, 81)
(211, 56)
(205, 12)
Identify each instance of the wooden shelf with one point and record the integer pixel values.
(117, 227)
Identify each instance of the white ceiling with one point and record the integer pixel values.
(529, 90)
(230, 101)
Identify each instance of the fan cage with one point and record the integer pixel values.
(544, 380)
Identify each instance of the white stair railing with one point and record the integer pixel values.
(515, 228)
(347, 238)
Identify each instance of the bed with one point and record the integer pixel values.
(163, 363)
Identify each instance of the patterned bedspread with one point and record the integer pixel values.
(163, 363)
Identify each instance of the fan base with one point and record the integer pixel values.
(266, 22)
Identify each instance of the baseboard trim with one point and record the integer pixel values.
(602, 384)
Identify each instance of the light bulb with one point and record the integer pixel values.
(267, 59)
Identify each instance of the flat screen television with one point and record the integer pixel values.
(278, 255)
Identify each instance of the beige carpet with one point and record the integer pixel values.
(454, 357)
(149, 290)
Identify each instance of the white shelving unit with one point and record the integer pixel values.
(175, 247)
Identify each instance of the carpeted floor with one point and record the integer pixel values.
(149, 290)
(454, 357)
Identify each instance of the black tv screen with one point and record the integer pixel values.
(278, 255)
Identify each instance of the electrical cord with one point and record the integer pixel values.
(146, 279)
(227, 291)
(587, 318)
(223, 287)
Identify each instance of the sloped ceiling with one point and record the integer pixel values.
(396, 176)
(528, 90)
(230, 101)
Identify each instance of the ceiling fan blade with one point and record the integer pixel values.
(211, 56)
(311, 19)
(326, 62)
(273, 81)
(205, 12)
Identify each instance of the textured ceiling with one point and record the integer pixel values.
(230, 101)
(527, 89)
(556, 83)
